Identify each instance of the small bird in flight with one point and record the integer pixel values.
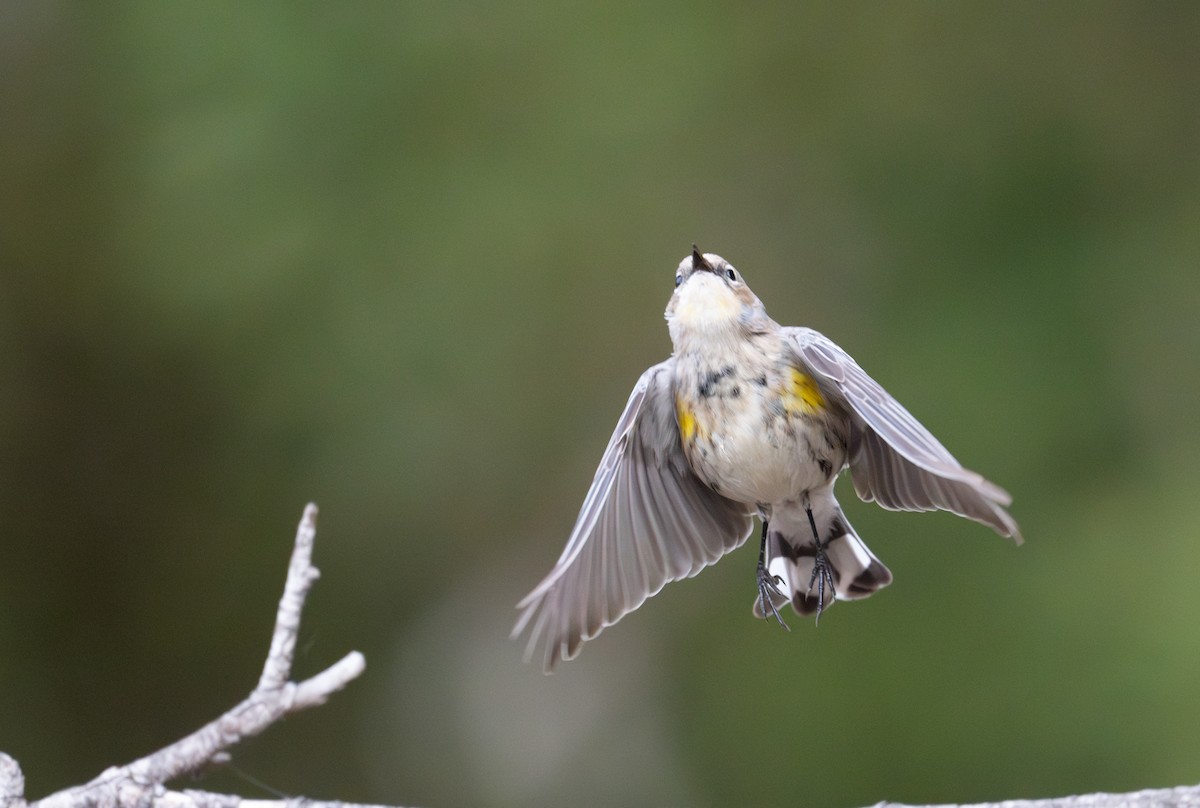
(746, 418)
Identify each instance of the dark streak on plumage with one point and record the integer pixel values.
(708, 387)
(870, 579)
(805, 604)
(791, 551)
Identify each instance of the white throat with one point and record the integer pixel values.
(704, 307)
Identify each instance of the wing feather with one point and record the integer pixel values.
(894, 460)
(647, 520)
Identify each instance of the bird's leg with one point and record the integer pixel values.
(822, 574)
(767, 584)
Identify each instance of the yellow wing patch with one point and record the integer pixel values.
(686, 419)
(801, 396)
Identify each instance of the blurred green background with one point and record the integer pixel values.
(407, 260)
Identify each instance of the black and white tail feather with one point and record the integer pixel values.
(810, 576)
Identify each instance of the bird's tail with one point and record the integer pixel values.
(841, 567)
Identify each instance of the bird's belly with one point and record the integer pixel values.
(755, 455)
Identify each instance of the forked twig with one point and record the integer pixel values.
(143, 783)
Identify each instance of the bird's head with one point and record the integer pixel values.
(711, 298)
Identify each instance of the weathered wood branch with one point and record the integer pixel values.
(1181, 797)
(143, 783)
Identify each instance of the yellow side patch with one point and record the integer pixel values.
(802, 396)
(686, 419)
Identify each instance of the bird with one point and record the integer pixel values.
(746, 418)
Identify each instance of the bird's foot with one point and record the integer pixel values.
(822, 580)
(767, 585)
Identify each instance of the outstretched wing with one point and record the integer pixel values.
(893, 459)
(647, 520)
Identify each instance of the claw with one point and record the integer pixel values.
(766, 585)
(822, 576)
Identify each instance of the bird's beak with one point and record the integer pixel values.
(700, 262)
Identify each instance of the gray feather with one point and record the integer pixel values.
(647, 520)
(894, 460)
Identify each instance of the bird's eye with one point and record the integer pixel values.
(729, 273)
(679, 279)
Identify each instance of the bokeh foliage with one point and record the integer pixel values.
(407, 259)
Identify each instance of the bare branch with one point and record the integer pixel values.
(316, 691)
(207, 799)
(12, 783)
(1181, 797)
(142, 783)
(300, 578)
(161, 797)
